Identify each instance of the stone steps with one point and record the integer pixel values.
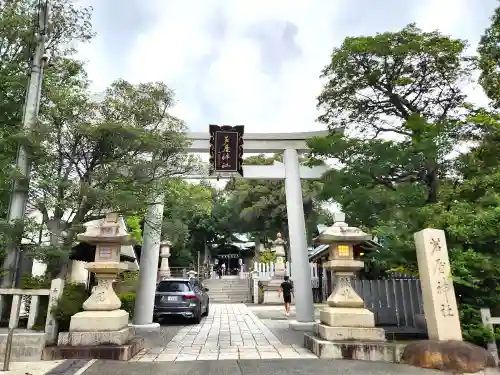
(228, 290)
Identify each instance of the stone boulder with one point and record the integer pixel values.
(452, 356)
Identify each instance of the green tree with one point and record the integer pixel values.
(398, 97)
(213, 229)
(97, 156)
(489, 60)
(185, 202)
(262, 203)
(69, 25)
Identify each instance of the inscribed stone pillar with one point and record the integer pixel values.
(440, 305)
(51, 327)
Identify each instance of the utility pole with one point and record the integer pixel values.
(19, 196)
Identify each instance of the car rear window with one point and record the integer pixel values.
(173, 286)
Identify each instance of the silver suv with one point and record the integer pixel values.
(182, 297)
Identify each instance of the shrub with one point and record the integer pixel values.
(128, 302)
(69, 304)
(35, 282)
(127, 282)
(267, 257)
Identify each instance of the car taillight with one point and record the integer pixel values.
(189, 296)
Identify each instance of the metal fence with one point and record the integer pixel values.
(395, 302)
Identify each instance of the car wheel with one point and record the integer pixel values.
(197, 318)
(207, 310)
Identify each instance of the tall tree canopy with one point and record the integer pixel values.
(93, 157)
(89, 156)
(185, 203)
(69, 24)
(489, 60)
(398, 96)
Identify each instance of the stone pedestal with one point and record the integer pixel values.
(102, 321)
(271, 292)
(102, 331)
(346, 318)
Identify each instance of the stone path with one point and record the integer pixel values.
(257, 367)
(231, 331)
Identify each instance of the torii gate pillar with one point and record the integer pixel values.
(298, 240)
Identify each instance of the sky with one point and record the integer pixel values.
(252, 63)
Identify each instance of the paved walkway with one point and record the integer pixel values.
(32, 368)
(256, 367)
(231, 331)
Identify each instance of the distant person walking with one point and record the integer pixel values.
(287, 290)
(223, 268)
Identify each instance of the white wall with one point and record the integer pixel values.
(38, 269)
(78, 272)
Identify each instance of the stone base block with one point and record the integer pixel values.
(271, 293)
(145, 328)
(120, 337)
(99, 321)
(347, 317)
(302, 326)
(271, 298)
(27, 346)
(114, 352)
(365, 351)
(351, 333)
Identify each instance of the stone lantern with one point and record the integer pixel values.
(272, 288)
(102, 323)
(279, 250)
(345, 318)
(164, 255)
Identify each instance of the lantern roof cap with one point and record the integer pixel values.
(340, 231)
(109, 230)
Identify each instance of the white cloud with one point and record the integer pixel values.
(444, 15)
(233, 87)
(450, 17)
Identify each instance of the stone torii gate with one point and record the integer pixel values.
(291, 144)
